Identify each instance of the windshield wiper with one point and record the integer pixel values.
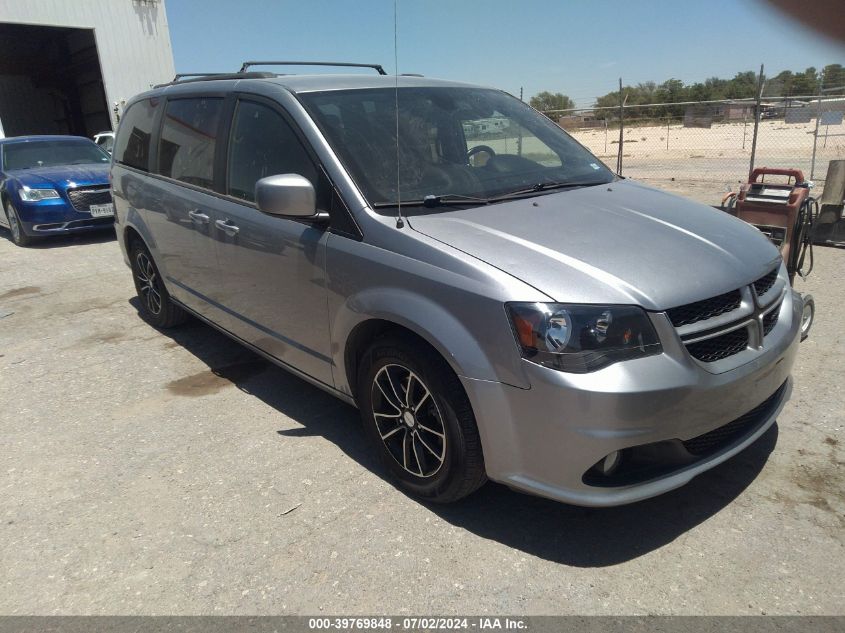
(542, 187)
(430, 201)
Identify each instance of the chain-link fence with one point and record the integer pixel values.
(707, 146)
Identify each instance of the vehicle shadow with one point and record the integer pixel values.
(598, 537)
(570, 535)
(71, 239)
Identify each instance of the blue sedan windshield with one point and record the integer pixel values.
(51, 153)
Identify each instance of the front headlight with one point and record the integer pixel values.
(582, 338)
(34, 195)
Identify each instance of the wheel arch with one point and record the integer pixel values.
(4, 196)
(130, 235)
(368, 331)
(367, 316)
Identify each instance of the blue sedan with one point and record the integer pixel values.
(53, 185)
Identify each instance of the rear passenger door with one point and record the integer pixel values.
(184, 191)
(271, 278)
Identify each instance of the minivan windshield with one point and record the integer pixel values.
(53, 153)
(466, 145)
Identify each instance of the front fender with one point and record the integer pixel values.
(433, 322)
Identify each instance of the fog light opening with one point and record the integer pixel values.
(610, 463)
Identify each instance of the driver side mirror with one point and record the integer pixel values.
(288, 195)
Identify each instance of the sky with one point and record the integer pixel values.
(578, 48)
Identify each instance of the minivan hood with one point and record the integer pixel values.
(63, 176)
(618, 243)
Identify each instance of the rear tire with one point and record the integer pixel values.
(420, 421)
(19, 238)
(157, 308)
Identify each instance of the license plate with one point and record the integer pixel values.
(101, 210)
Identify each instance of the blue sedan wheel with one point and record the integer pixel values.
(18, 236)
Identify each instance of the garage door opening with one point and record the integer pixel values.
(50, 82)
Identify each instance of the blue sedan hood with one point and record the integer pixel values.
(63, 176)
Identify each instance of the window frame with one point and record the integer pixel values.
(274, 106)
(346, 226)
(221, 129)
(152, 150)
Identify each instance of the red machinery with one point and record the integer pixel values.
(784, 212)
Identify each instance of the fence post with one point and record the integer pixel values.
(667, 131)
(756, 121)
(519, 140)
(816, 137)
(621, 129)
(605, 135)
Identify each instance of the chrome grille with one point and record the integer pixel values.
(765, 283)
(712, 349)
(705, 309)
(83, 197)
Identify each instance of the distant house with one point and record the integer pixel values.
(698, 115)
(831, 105)
(490, 125)
(705, 114)
(578, 121)
(737, 110)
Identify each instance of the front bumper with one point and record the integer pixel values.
(57, 217)
(546, 439)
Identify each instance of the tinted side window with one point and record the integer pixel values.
(132, 145)
(188, 140)
(263, 144)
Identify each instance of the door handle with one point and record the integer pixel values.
(198, 216)
(227, 227)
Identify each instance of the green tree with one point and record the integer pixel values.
(742, 86)
(834, 77)
(781, 85)
(806, 83)
(545, 101)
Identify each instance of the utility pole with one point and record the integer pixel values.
(756, 121)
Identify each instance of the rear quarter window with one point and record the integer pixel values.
(132, 144)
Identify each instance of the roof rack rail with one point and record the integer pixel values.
(180, 76)
(185, 78)
(377, 67)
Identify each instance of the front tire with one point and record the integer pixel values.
(157, 308)
(19, 237)
(420, 421)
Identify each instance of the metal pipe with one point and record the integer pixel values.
(756, 122)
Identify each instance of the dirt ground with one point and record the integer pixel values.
(147, 472)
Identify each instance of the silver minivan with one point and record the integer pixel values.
(496, 302)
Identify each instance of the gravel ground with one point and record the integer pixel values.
(146, 472)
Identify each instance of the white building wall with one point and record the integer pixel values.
(132, 36)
